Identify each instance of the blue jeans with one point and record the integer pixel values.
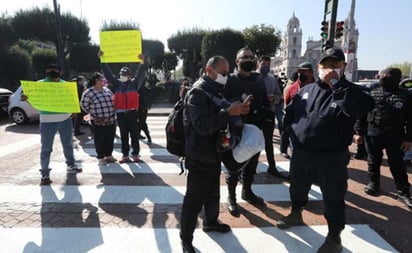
(47, 133)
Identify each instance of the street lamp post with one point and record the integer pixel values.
(60, 54)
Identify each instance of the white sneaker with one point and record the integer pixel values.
(73, 168)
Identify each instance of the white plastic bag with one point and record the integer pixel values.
(251, 143)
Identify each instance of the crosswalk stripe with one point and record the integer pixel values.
(129, 194)
(153, 236)
(59, 168)
(355, 238)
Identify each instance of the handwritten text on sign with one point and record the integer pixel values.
(121, 46)
(52, 96)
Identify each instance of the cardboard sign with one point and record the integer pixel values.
(52, 96)
(121, 46)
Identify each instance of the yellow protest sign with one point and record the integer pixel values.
(52, 96)
(121, 46)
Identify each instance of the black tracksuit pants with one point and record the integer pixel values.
(328, 169)
(202, 190)
(104, 139)
(128, 124)
(392, 144)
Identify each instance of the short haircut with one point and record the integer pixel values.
(215, 60)
(241, 50)
(93, 79)
(264, 58)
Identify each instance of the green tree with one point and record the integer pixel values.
(83, 58)
(405, 67)
(153, 51)
(187, 46)
(41, 58)
(39, 24)
(8, 35)
(16, 66)
(263, 39)
(225, 42)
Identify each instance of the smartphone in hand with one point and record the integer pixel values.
(246, 98)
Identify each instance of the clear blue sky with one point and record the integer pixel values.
(385, 29)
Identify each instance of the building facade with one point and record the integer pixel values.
(290, 53)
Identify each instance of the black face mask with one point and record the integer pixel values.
(247, 66)
(53, 74)
(303, 78)
(389, 84)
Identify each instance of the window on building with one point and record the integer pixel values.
(294, 41)
(294, 54)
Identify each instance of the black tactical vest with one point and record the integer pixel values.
(390, 109)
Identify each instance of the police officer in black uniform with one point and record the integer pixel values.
(320, 120)
(389, 127)
(245, 82)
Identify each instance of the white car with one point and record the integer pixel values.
(21, 111)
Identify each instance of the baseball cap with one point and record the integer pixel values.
(125, 71)
(305, 65)
(53, 66)
(333, 53)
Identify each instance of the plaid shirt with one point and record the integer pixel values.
(99, 103)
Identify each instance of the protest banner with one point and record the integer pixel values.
(52, 96)
(121, 46)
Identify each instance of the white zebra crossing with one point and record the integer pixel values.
(356, 238)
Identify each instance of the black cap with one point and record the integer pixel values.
(394, 73)
(406, 83)
(305, 65)
(333, 53)
(53, 66)
(125, 71)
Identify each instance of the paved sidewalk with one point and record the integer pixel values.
(160, 109)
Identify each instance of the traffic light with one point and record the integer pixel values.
(324, 29)
(339, 29)
(326, 44)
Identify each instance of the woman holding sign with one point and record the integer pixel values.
(97, 100)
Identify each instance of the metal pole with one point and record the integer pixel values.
(332, 23)
(60, 53)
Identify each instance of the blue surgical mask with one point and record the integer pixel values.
(264, 70)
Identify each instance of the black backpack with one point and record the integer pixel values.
(175, 133)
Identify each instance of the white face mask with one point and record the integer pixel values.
(338, 72)
(124, 78)
(323, 72)
(221, 79)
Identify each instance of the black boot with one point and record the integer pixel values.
(333, 242)
(188, 247)
(231, 200)
(405, 197)
(293, 219)
(331, 245)
(272, 170)
(372, 188)
(249, 196)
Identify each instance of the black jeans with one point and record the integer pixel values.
(202, 190)
(392, 145)
(128, 124)
(268, 134)
(238, 171)
(328, 169)
(142, 121)
(104, 139)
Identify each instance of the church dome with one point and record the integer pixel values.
(294, 20)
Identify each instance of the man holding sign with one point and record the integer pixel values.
(51, 121)
(126, 102)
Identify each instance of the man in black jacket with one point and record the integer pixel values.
(388, 126)
(320, 120)
(203, 121)
(245, 82)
